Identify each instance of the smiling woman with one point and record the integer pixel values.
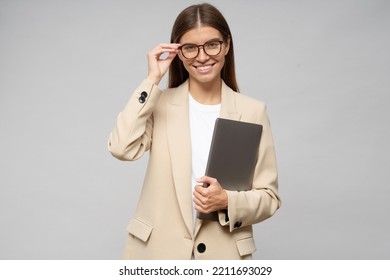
(176, 126)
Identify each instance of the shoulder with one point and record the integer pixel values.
(181, 88)
(246, 100)
(176, 95)
(242, 100)
(249, 108)
(166, 96)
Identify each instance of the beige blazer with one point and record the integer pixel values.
(162, 227)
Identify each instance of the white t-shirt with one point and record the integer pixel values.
(202, 119)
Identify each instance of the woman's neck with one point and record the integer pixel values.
(206, 93)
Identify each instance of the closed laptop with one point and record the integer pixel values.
(233, 155)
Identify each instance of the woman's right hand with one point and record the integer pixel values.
(158, 66)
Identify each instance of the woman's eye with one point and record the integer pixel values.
(212, 45)
(189, 48)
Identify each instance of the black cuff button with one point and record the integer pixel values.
(237, 224)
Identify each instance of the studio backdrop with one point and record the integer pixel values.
(67, 68)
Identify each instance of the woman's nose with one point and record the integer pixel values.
(202, 55)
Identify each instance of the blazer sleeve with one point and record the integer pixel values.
(261, 202)
(132, 134)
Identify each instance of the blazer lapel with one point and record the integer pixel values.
(229, 108)
(179, 143)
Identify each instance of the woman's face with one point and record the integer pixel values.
(204, 68)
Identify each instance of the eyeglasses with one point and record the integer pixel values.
(190, 51)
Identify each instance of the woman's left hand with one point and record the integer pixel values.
(210, 199)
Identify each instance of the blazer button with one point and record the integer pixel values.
(144, 94)
(201, 248)
(237, 224)
(141, 99)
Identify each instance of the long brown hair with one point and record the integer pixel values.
(191, 17)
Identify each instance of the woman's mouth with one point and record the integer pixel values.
(204, 68)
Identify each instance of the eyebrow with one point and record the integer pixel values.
(211, 40)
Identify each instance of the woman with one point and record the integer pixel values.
(175, 125)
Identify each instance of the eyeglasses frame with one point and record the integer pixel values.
(199, 46)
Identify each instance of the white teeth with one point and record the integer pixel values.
(204, 68)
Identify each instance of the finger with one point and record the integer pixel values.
(198, 204)
(161, 54)
(198, 195)
(201, 207)
(197, 201)
(165, 48)
(201, 191)
(170, 46)
(207, 179)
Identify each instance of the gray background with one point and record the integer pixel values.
(68, 67)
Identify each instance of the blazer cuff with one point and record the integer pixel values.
(231, 217)
(223, 217)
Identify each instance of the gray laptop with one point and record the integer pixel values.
(233, 155)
